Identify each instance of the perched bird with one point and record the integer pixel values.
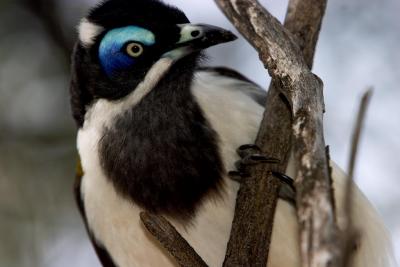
(156, 132)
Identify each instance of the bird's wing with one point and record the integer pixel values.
(249, 87)
(102, 253)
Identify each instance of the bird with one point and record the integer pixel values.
(159, 131)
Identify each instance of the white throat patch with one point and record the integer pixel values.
(88, 31)
(104, 111)
(153, 76)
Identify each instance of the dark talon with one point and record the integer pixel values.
(249, 146)
(240, 166)
(251, 160)
(250, 155)
(284, 178)
(246, 150)
(261, 158)
(237, 176)
(255, 159)
(287, 191)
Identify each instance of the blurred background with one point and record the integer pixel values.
(39, 223)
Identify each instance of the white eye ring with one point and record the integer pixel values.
(134, 49)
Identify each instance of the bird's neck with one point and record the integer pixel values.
(162, 153)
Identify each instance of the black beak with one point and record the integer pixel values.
(201, 36)
(196, 37)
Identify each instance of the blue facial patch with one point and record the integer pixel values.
(111, 55)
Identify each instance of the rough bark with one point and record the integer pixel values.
(290, 70)
(175, 244)
(303, 19)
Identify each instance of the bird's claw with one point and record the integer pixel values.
(287, 190)
(254, 159)
(238, 176)
(250, 155)
(284, 179)
(248, 149)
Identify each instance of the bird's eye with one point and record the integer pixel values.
(134, 49)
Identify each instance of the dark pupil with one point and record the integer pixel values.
(195, 33)
(135, 49)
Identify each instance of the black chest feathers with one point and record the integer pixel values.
(162, 154)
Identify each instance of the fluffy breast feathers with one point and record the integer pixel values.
(229, 106)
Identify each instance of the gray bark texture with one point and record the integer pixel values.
(281, 53)
(176, 245)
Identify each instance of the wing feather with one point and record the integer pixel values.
(248, 87)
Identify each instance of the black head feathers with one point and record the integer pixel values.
(120, 41)
(151, 14)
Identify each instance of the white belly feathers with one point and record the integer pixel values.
(115, 221)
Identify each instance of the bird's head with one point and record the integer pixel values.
(132, 73)
(120, 41)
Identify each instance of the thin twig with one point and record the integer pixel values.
(169, 237)
(350, 235)
(355, 140)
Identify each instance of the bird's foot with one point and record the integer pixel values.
(287, 190)
(250, 155)
(238, 176)
(248, 149)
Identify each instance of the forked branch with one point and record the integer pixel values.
(303, 90)
(257, 197)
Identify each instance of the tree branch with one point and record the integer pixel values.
(350, 235)
(356, 140)
(281, 55)
(176, 245)
(304, 20)
(274, 138)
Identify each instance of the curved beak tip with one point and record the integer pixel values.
(220, 36)
(229, 36)
(195, 37)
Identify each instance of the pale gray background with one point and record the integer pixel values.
(39, 224)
